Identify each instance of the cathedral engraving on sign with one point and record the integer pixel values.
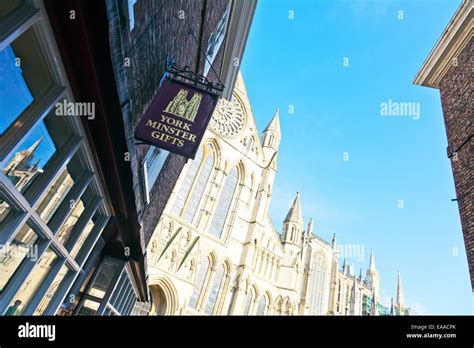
(180, 106)
(177, 117)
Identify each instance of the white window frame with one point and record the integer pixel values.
(33, 15)
(220, 31)
(147, 163)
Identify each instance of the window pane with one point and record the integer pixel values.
(55, 196)
(35, 152)
(200, 277)
(14, 93)
(52, 290)
(216, 284)
(11, 256)
(187, 182)
(7, 7)
(155, 159)
(85, 234)
(261, 306)
(317, 285)
(66, 229)
(89, 308)
(5, 210)
(224, 203)
(248, 302)
(199, 188)
(106, 273)
(32, 282)
(29, 80)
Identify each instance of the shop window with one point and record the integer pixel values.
(110, 292)
(215, 40)
(31, 284)
(34, 153)
(22, 247)
(152, 165)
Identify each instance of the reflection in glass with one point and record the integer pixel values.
(85, 234)
(55, 196)
(11, 256)
(102, 280)
(89, 308)
(104, 277)
(4, 210)
(33, 281)
(154, 160)
(14, 93)
(36, 151)
(66, 229)
(52, 290)
(7, 7)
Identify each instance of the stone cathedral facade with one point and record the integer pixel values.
(215, 251)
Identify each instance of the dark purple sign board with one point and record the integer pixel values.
(177, 118)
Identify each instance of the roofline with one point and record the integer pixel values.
(454, 39)
(238, 29)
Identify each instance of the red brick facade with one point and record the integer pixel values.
(456, 88)
(162, 30)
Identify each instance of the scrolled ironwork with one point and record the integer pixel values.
(198, 80)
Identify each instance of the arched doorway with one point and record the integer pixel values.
(163, 296)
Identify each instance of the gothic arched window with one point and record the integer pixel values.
(224, 203)
(216, 285)
(248, 302)
(317, 285)
(193, 185)
(198, 285)
(261, 306)
(248, 146)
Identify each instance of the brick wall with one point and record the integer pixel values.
(162, 29)
(458, 107)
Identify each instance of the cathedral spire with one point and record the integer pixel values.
(372, 277)
(400, 300)
(274, 125)
(22, 159)
(334, 243)
(372, 261)
(293, 224)
(309, 231)
(295, 214)
(271, 136)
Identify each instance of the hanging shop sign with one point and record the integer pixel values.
(177, 117)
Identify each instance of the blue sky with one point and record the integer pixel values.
(299, 62)
(15, 97)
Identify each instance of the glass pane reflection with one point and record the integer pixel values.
(13, 254)
(33, 281)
